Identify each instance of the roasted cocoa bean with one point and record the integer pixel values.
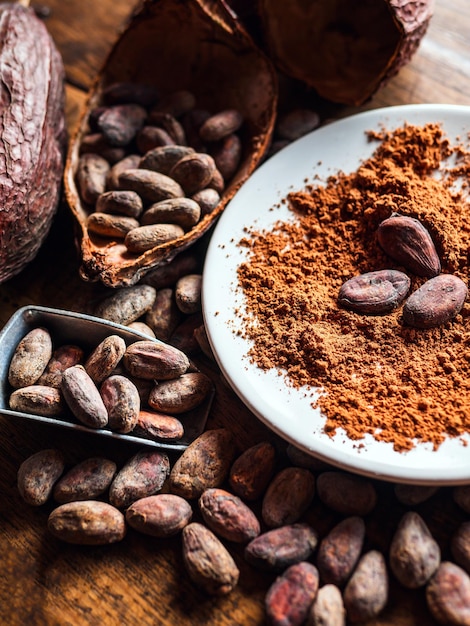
(204, 464)
(127, 304)
(167, 274)
(252, 471)
(38, 474)
(181, 211)
(207, 561)
(151, 137)
(30, 358)
(411, 495)
(448, 595)
(366, 592)
(188, 293)
(460, 546)
(176, 103)
(221, 125)
(105, 358)
(158, 426)
(207, 200)
(112, 226)
(38, 400)
(181, 394)
(115, 202)
(154, 360)
(83, 397)
(87, 522)
(145, 238)
(374, 293)
(164, 315)
(163, 515)
(87, 480)
(414, 554)
(296, 123)
(288, 496)
(436, 302)
(291, 595)
(151, 186)
(119, 124)
(227, 516)
(346, 493)
(193, 172)
(143, 475)
(277, 549)
(62, 358)
(339, 551)
(91, 177)
(327, 608)
(129, 162)
(227, 155)
(143, 328)
(163, 158)
(122, 401)
(461, 497)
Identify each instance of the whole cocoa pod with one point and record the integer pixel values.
(32, 135)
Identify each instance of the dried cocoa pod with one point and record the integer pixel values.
(105, 358)
(143, 475)
(181, 394)
(122, 401)
(346, 493)
(252, 471)
(288, 496)
(411, 495)
(374, 293)
(207, 561)
(228, 516)
(296, 123)
(204, 464)
(120, 202)
(83, 398)
(164, 316)
(460, 546)
(221, 125)
(193, 172)
(147, 237)
(290, 596)
(188, 293)
(87, 480)
(30, 358)
(113, 226)
(151, 186)
(38, 474)
(327, 608)
(181, 211)
(155, 360)
(414, 554)
(126, 305)
(32, 136)
(366, 592)
(340, 549)
(163, 158)
(277, 549)
(448, 595)
(163, 515)
(87, 522)
(37, 399)
(91, 176)
(436, 302)
(120, 124)
(158, 426)
(62, 358)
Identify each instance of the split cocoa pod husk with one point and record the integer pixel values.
(196, 46)
(346, 55)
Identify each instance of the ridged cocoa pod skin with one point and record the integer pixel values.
(163, 515)
(87, 522)
(32, 135)
(289, 598)
(448, 595)
(251, 472)
(228, 516)
(87, 480)
(340, 550)
(38, 474)
(288, 496)
(276, 549)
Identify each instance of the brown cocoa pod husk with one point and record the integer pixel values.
(242, 70)
(460, 546)
(289, 598)
(155, 360)
(145, 238)
(86, 480)
(151, 137)
(346, 493)
(414, 554)
(163, 515)
(288, 496)
(252, 471)
(143, 475)
(181, 394)
(120, 123)
(340, 550)
(61, 358)
(38, 400)
(208, 563)
(188, 293)
(221, 125)
(112, 226)
(204, 464)
(91, 177)
(130, 93)
(327, 608)
(227, 154)
(158, 426)
(366, 593)
(163, 158)
(122, 401)
(83, 397)
(128, 162)
(30, 358)
(126, 305)
(105, 358)
(87, 522)
(32, 135)
(448, 595)
(126, 203)
(228, 516)
(38, 474)
(277, 549)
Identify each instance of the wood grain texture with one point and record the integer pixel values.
(142, 580)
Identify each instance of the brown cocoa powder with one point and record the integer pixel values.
(377, 376)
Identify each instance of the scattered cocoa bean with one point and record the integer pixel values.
(291, 595)
(411, 495)
(461, 497)
(339, 551)
(227, 516)
(87, 522)
(374, 293)
(38, 474)
(85, 481)
(296, 123)
(327, 608)
(436, 302)
(30, 358)
(154, 360)
(122, 401)
(145, 238)
(252, 471)
(277, 549)
(105, 358)
(366, 592)
(288, 496)
(37, 399)
(180, 395)
(127, 304)
(346, 493)
(164, 315)
(83, 397)
(62, 358)
(188, 293)
(158, 426)
(163, 515)
(448, 595)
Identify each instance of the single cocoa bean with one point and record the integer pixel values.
(181, 211)
(91, 177)
(448, 595)
(374, 293)
(119, 124)
(114, 202)
(193, 172)
(155, 360)
(346, 493)
(327, 608)
(164, 315)
(170, 124)
(227, 516)
(30, 358)
(207, 561)
(188, 293)
(163, 158)
(460, 546)
(411, 495)
(151, 186)
(436, 302)
(38, 474)
(151, 137)
(366, 592)
(163, 515)
(83, 397)
(288, 496)
(122, 401)
(339, 551)
(227, 155)
(62, 358)
(127, 304)
(158, 426)
(207, 200)
(107, 225)
(181, 394)
(105, 358)
(145, 238)
(143, 475)
(87, 522)
(87, 480)
(296, 123)
(252, 471)
(38, 400)
(221, 125)
(183, 336)
(129, 162)
(291, 595)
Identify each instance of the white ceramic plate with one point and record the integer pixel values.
(338, 146)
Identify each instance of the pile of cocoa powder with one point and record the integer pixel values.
(377, 376)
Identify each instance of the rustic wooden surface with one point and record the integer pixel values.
(142, 580)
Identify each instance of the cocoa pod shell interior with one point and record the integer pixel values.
(195, 45)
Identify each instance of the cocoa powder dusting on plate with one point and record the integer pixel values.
(377, 376)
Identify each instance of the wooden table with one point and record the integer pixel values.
(142, 580)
